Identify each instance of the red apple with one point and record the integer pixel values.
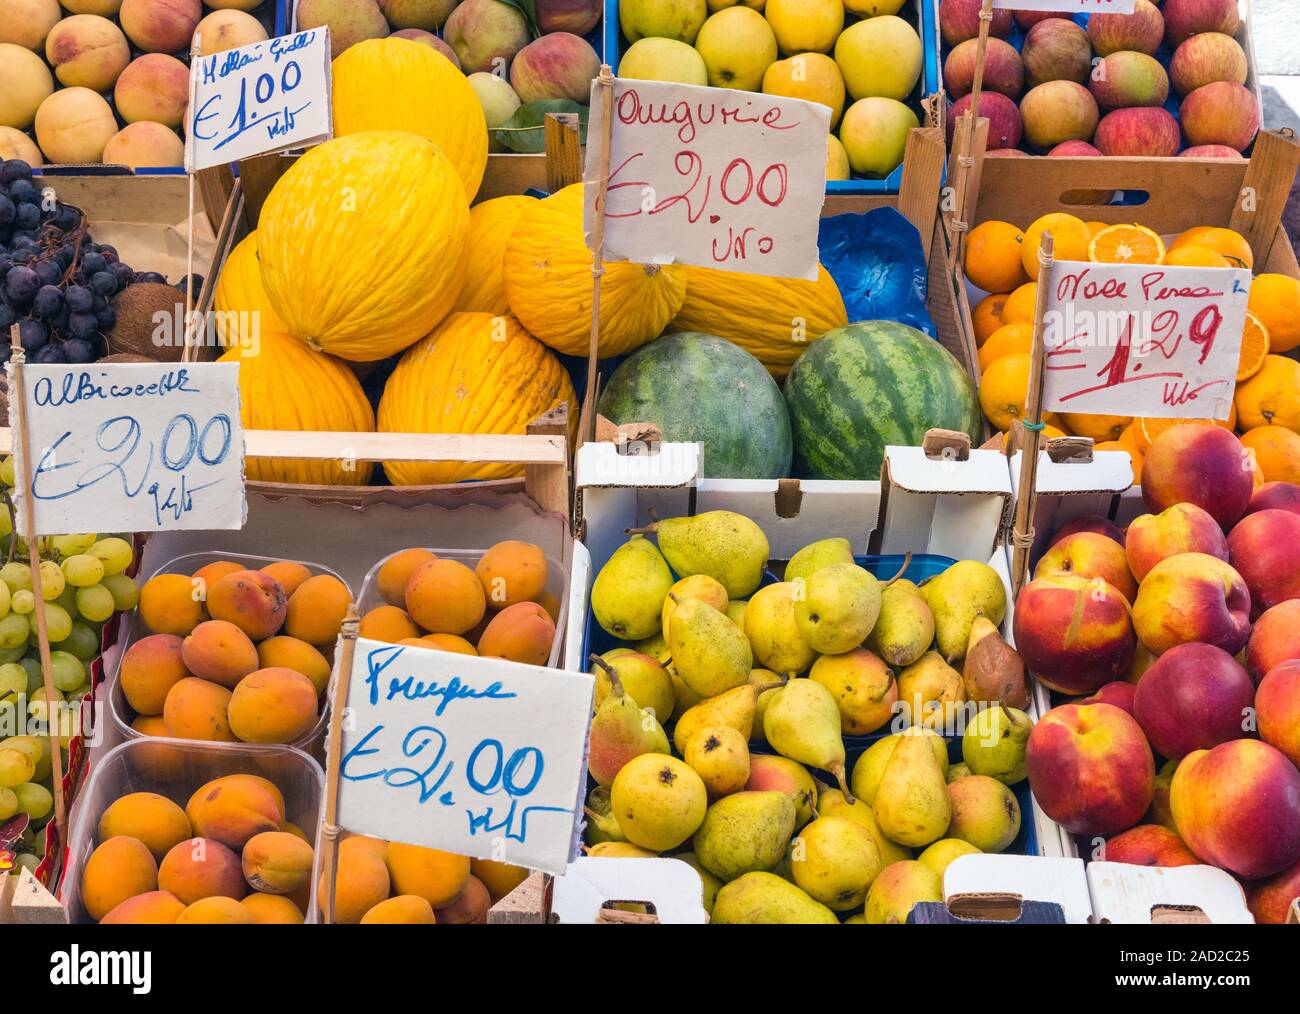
(1274, 639)
(1129, 79)
(1074, 149)
(1001, 112)
(1088, 522)
(1210, 151)
(1191, 597)
(1138, 32)
(1139, 133)
(1221, 113)
(1270, 900)
(1193, 697)
(1265, 549)
(1182, 528)
(1058, 111)
(1006, 153)
(1283, 496)
(1149, 845)
(1004, 71)
(959, 20)
(1200, 464)
(1120, 693)
(1056, 50)
(1277, 704)
(1074, 634)
(1204, 59)
(1027, 19)
(1185, 18)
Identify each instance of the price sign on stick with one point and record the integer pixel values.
(257, 99)
(708, 176)
(1072, 6)
(138, 447)
(1143, 339)
(476, 756)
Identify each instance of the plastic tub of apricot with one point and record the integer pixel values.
(554, 590)
(176, 769)
(123, 715)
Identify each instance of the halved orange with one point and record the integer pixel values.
(1254, 348)
(1145, 430)
(1193, 255)
(1230, 244)
(1126, 244)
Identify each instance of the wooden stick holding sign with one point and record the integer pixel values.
(602, 92)
(966, 143)
(344, 656)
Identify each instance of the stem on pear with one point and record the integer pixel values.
(615, 684)
(837, 770)
(907, 562)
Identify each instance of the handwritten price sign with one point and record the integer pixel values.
(1071, 6)
(257, 99)
(134, 447)
(710, 176)
(477, 756)
(1143, 340)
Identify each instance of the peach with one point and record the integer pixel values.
(1199, 464)
(486, 34)
(360, 880)
(1120, 693)
(444, 596)
(388, 623)
(1222, 112)
(1182, 528)
(154, 87)
(523, 632)
(251, 600)
(1090, 768)
(88, 51)
(350, 21)
(499, 878)
(396, 571)
(1265, 549)
(1074, 634)
(289, 573)
(210, 573)
(1149, 845)
(168, 605)
(1194, 696)
(234, 808)
(161, 763)
(405, 909)
(228, 29)
(272, 909)
(1270, 900)
(25, 83)
(286, 652)
(1192, 597)
(1092, 556)
(425, 14)
(1283, 496)
(149, 669)
(153, 819)
(1274, 639)
(273, 706)
(198, 709)
(576, 16)
(219, 651)
(317, 609)
(152, 908)
(27, 22)
(144, 145)
(118, 869)
(201, 868)
(512, 572)
(437, 877)
(1097, 523)
(1139, 32)
(1138, 132)
(216, 910)
(556, 66)
(276, 862)
(160, 26)
(1237, 806)
(470, 907)
(1277, 706)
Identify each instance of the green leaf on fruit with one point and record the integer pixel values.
(528, 8)
(525, 131)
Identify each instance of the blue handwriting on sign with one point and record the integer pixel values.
(72, 388)
(411, 689)
(266, 108)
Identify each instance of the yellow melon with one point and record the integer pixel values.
(238, 292)
(490, 225)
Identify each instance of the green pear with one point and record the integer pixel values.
(994, 744)
(720, 756)
(834, 861)
(711, 884)
(898, 888)
(656, 646)
(629, 591)
(940, 855)
(764, 899)
(658, 801)
(710, 653)
(620, 730)
(685, 697)
(602, 826)
(732, 709)
(870, 766)
(745, 832)
(816, 555)
(836, 607)
(803, 723)
(831, 803)
(736, 612)
(964, 591)
(728, 547)
(904, 629)
(773, 632)
(984, 813)
(911, 804)
(643, 678)
(697, 586)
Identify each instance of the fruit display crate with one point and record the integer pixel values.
(920, 14)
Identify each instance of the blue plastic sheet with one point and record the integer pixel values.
(877, 261)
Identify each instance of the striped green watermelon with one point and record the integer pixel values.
(861, 387)
(699, 388)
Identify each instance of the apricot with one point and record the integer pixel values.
(434, 875)
(360, 880)
(376, 845)
(405, 909)
(118, 869)
(512, 572)
(471, 907)
(521, 633)
(153, 908)
(286, 652)
(445, 597)
(251, 600)
(153, 819)
(154, 87)
(273, 706)
(388, 623)
(289, 573)
(219, 651)
(288, 827)
(145, 144)
(209, 574)
(168, 605)
(201, 868)
(272, 909)
(449, 642)
(197, 709)
(276, 862)
(150, 668)
(317, 608)
(160, 763)
(397, 570)
(499, 878)
(234, 808)
(216, 910)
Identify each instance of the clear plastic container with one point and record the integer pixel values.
(557, 585)
(121, 712)
(176, 768)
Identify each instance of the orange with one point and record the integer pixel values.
(1126, 244)
(1271, 396)
(1003, 388)
(1101, 428)
(993, 258)
(1275, 300)
(1256, 340)
(1096, 227)
(987, 317)
(1231, 245)
(1277, 452)
(1070, 234)
(1021, 305)
(1193, 255)
(1005, 340)
(1145, 430)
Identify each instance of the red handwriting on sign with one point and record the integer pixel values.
(688, 117)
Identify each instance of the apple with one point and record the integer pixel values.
(874, 133)
(424, 14)
(667, 19)
(655, 59)
(1002, 114)
(556, 66)
(1204, 59)
(1193, 697)
(1185, 18)
(1129, 79)
(1074, 149)
(1210, 151)
(486, 35)
(1004, 71)
(1222, 112)
(959, 20)
(1098, 523)
(1139, 32)
(1056, 50)
(1139, 132)
(1058, 111)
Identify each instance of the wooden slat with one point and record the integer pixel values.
(1265, 190)
(918, 195)
(563, 150)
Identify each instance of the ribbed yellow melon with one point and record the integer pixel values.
(397, 84)
(239, 292)
(773, 319)
(490, 225)
(363, 242)
(477, 373)
(287, 386)
(548, 283)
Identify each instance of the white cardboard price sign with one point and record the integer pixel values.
(133, 447)
(709, 176)
(1143, 339)
(477, 756)
(1071, 6)
(257, 99)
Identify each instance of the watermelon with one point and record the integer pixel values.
(861, 387)
(699, 388)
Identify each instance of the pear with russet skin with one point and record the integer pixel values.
(803, 723)
(773, 632)
(644, 679)
(620, 731)
(993, 671)
(710, 653)
(698, 586)
(837, 608)
(904, 629)
(816, 555)
(728, 547)
(733, 709)
(912, 805)
(628, 593)
(966, 590)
